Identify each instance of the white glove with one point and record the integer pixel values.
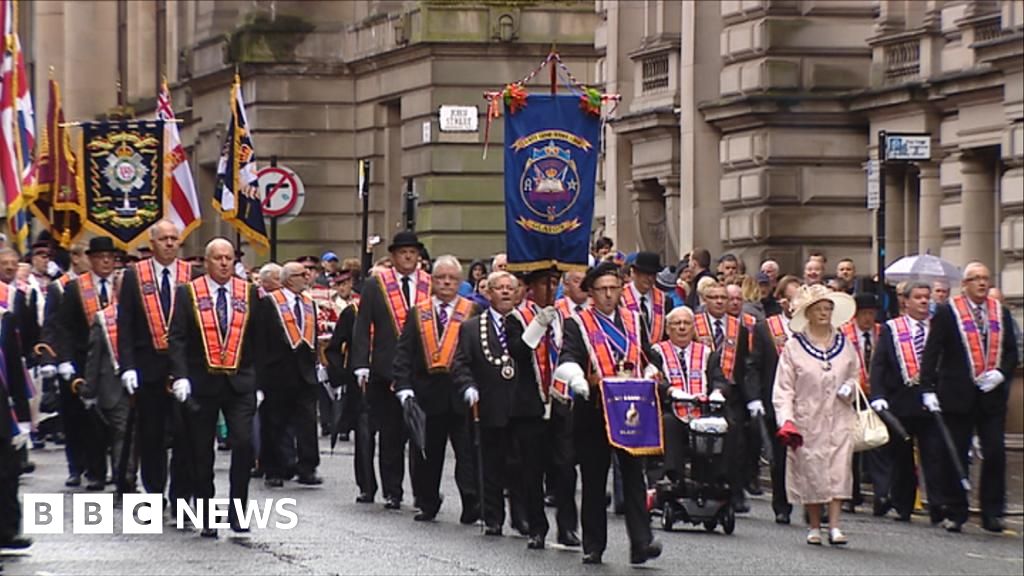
(47, 371)
(337, 393)
(362, 375)
(716, 397)
(88, 402)
(580, 387)
(547, 315)
(535, 331)
(844, 391)
(20, 440)
(260, 396)
(321, 373)
(66, 370)
(680, 395)
(931, 402)
(53, 269)
(651, 372)
(182, 389)
(471, 396)
(130, 380)
(879, 404)
(404, 395)
(756, 408)
(990, 380)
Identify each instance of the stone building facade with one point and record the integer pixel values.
(326, 84)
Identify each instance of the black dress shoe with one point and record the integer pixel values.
(28, 467)
(849, 507)
(522, 527)
(469, 515)
(16, 543)
(343, 436)
(754, 488)
(237, 528)
(935, 515)
(535, 543)
(952, 525)
(881, 507)
(568, 538)
(782, 518)
(549, 501)
(425, 516)
(393, 504)
(256, 472)
(73, 481)
(652, 551)
(364, 498)
(95, 485)
(492, 530)
(903, 516)
(741, 506)
(273, 482)
(592, 558)
(993, 524)
(208, 533)
(309, 479)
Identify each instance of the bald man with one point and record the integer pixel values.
(966, 369)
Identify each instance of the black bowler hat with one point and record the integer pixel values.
(866, 301)
(602, 269)
(647, 262)
(100, 244)
(403, 239)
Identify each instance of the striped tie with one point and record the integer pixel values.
(919, 340)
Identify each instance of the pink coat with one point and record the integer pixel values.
(805, 393)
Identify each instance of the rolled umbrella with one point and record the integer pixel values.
(364, 440)
(894, 424)
(766, 439)
(126, 449)
(947, 438)
(416, 424)
(337, 410)
(478, 445)
(922, 267)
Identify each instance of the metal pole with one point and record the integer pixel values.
(410, 205)
(273, 222)
(364, 193)
(880, 216)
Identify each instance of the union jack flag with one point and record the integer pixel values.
(17, 130)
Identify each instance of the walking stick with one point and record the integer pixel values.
(951, 447)
(126, 449)
(477, 443)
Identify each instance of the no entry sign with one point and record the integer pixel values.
(282, 191)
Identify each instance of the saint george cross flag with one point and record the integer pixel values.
(181, 204)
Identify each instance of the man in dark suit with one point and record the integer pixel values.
(486, 372)
(966, 370)
(11, 441)
(83, 298)
(583, 375)
(343, 384)
(423, 373)
(145, 305)
(700, 262)
(385, 303)
(216, 344)
(289, 381)
(895, 378)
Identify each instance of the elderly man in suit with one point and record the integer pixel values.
(216, 344)
(966, 368)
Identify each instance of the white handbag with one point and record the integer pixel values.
(868, 431)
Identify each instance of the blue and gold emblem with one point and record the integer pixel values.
(550, 185)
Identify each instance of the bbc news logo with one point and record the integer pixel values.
(143, 514)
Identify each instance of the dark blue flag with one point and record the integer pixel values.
(551, 149)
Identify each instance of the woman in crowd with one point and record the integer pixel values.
(814, 387)
(477, 272)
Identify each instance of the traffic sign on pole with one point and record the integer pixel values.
(282, 191)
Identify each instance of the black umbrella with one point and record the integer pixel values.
(337, 409)
(126, 449)
(953, 454)
(364, 441)
(477, 443)
(894, 425)
(766, 439)
(416, 424)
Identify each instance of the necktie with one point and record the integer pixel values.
(644, 312)
(298, 313)
(165, 293)
(579, 308)
(442, 317)
(919, 340)
(406, 292)
(682, 365)
(979, 321)
(103, 293)
(718, 334)
(867, 349)
(222, 311)
(499, 326)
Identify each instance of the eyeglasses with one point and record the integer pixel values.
(976, 279)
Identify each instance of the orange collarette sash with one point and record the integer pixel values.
(7, 295)
(631, 301)
(705, 335)
(222, 356)
(90, 297)
(601, 355)
(149, 290)
(749, 322)
(545, 355)
(290, 323)
(108, 321)
(694, 382)
(392, 290)
(439, 349)
(852, 334)
(980, 362)
(565, 307)
(903, 342)
(777, 328)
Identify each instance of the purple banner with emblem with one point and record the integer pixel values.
(632, 415)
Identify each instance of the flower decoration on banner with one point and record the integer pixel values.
(590, 101)
(514, 97)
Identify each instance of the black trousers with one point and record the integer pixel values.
(182, 469)
(153, 415)
(780, 502)
(560, 467)
(10, 508)
(83, 444)
(990, 427)
(387, 422)
(737, 465)
(288, 427)
(238, 411)
(903, 488)
(594, 456)
(496, 445)
(442, 429)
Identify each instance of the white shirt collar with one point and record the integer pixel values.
(497, 318)
(97, 278)
(684, 351)
(217, 285)
(608, 316)
(438, 303)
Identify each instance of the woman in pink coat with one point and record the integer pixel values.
(814, 388)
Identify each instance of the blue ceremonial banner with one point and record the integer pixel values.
(123, 175)
(632, 415)
(551, 149)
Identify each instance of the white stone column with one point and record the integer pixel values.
(671, 195)
(977, 198)
(929, 228)
(911, 202)
(894, 192)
